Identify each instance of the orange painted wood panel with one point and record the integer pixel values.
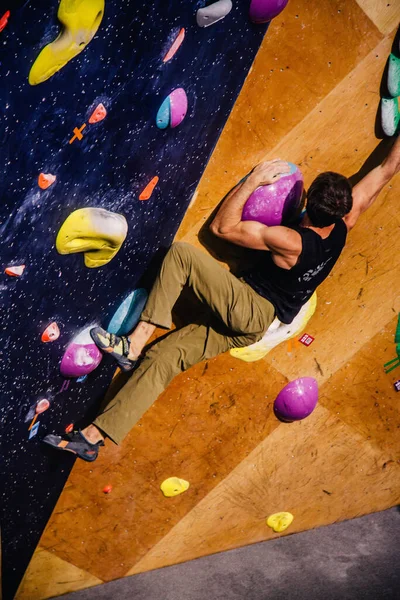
(319, 469)
(309, 48)
(208, 420)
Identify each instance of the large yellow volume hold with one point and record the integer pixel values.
(97, 232)
(81, 19)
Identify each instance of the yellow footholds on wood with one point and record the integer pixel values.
(96, 232)
(173, 486)
(280, 521)
(81, 19)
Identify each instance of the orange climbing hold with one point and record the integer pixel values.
(107, 489)
(45, 180)
(98, 114)
(69, 428)
(175, 46)
(4, 20)
(148, 190)
(51, 333)
(14, 271)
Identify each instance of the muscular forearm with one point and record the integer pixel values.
(229, 214)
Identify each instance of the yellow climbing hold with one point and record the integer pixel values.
(81, 19)
(97, 232)
(173, 486)
(277, 333)
(280, 521)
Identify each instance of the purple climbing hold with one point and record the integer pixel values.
(81, 357)
(277, 202)
(262, 11)
(297, 399)
(179, 106)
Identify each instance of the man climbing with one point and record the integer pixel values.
(297, 259)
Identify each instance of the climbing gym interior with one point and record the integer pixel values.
(123, 125)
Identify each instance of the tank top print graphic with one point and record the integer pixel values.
(289, 289)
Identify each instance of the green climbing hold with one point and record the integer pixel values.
(394, 76)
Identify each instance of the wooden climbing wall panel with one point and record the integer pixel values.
(311, 97)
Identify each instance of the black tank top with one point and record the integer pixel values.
(289, 289)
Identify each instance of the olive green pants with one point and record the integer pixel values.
(243, 316)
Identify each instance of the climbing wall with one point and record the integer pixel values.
(85, 128)
(312, 97)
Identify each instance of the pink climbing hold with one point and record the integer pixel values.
(14, 271)
(45, 180)
(99, 113)
(179, 105)
(175, 46)
(262, 11)
(51, 333)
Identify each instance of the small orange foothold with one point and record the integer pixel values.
(107, 489)
(4, 20)
(51, 333)
(148, 190)
(69, 428)
(175, 46)
(14, 271)
(45, 180)
(98, 114)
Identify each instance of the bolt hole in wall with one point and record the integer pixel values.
(80, 144)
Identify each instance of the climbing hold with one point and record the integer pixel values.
(277, 333)
(296, 400)
(175, 46)
(148, 190)
(45, 180)
(69, 428)
(173, 486)
(4, 20)
(96, 232)
(280, 521)
(128, 313)
(98, 114)
(107, 489)
(81, 357)
(15, 271)
(394, 76)
(277, 202)
(390, 115)
(179, 105)
(81, 20)
(41, 406)
(173, 109)
(262, 11)
(51, 333)
(213, 12)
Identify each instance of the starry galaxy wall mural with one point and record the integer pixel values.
(109, 112)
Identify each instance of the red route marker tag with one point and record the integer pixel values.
(306, 339)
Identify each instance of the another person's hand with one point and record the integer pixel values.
(269, 171)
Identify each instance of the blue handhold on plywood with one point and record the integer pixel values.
(164, 114)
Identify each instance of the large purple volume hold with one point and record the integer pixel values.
(277, 202)
(262, 11)
(81, 357)
(297, 399)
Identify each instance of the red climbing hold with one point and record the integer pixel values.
(98, 114)
(51, 333)
(45, 180)
(148, 190)
(4, 20)
(69, 428)
(175, 46)
(107, 489)
(14, 271)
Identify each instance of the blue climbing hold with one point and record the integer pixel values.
(164, 114)
(128, 313)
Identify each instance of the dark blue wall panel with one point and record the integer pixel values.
(122, 68)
